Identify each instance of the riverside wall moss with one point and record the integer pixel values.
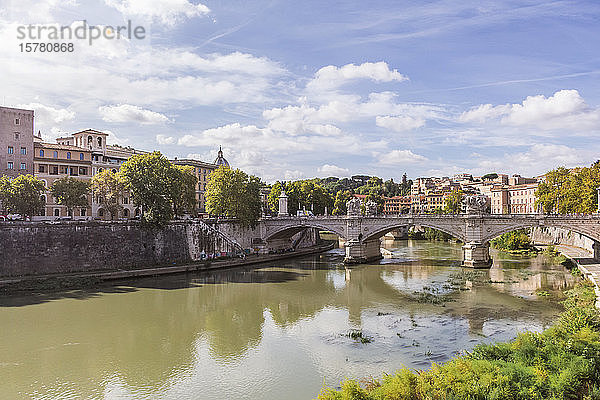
(563, 362)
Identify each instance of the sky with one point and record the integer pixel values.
(302, 89)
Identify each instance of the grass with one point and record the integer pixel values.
(563, 362)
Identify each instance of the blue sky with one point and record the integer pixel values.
(302, 89)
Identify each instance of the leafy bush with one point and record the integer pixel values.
(511, 241)
(562, 362)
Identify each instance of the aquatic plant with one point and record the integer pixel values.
(358, 335)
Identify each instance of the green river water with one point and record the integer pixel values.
(273, 331)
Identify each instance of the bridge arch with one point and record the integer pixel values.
(582, 230)
(428, 224)
(288, 231)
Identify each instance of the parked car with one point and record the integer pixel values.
(14, 217)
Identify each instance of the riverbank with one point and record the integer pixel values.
(586, 264)
(92, 278)
(561, 362)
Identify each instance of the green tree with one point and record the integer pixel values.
(107, 187)
(22, 195)
(70, 192)
(148, 177)
(341, 198)
(553, 193)
(302, 194)
(182, 191)
(489, 177)
(515, 240)
(453, 202)
(234, 194)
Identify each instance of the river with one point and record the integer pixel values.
(276, 331)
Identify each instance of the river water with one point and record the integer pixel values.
(276, 331)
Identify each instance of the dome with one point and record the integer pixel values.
(220, 160)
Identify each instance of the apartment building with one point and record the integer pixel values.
(396, 205)
(202, 170)
(54, 161)
(16, 141)
(518, 199)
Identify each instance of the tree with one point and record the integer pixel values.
(489, 177)
(182, 191)
(341, 198)
(554, 190)
(107, 187)
(302, 194)
(22, 195)
(149, 177)
(234, 194)
(515, 240)
(453, 202)
(70, 192)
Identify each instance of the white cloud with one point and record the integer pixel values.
(484, 112)
(399, 124)
(163, 139)
(47, 115)
(168, 12)
(566, 109)
(332, 77)
(126, 113)
(333, 170)
(396, 157)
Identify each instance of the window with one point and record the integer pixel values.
(54, 170)
(99, 142)
(68, 155)
(73, 171)
(55, 154)
(101, 212)
(41, 153)
(56, 212)
(82, 171)
(23, 165)
(83, 212)
(10, 165)
(17, 121)
(125, 200)
(41, 169)
(81, 156)
(126, 213)
(17, 135)
(23, 150)
(10, 150)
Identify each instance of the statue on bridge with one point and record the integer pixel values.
(476, 204)
(371, 208)
(353, 206)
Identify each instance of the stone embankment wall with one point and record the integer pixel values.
(556, 236)
(41, 248)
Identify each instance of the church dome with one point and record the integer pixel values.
(220, 160)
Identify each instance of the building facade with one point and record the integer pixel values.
(518, 199)
(16, 141)
(54, 161)
(202, 170)
(104, 157)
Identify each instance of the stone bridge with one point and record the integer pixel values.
(362, 233)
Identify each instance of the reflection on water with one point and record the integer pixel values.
(272, 332)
